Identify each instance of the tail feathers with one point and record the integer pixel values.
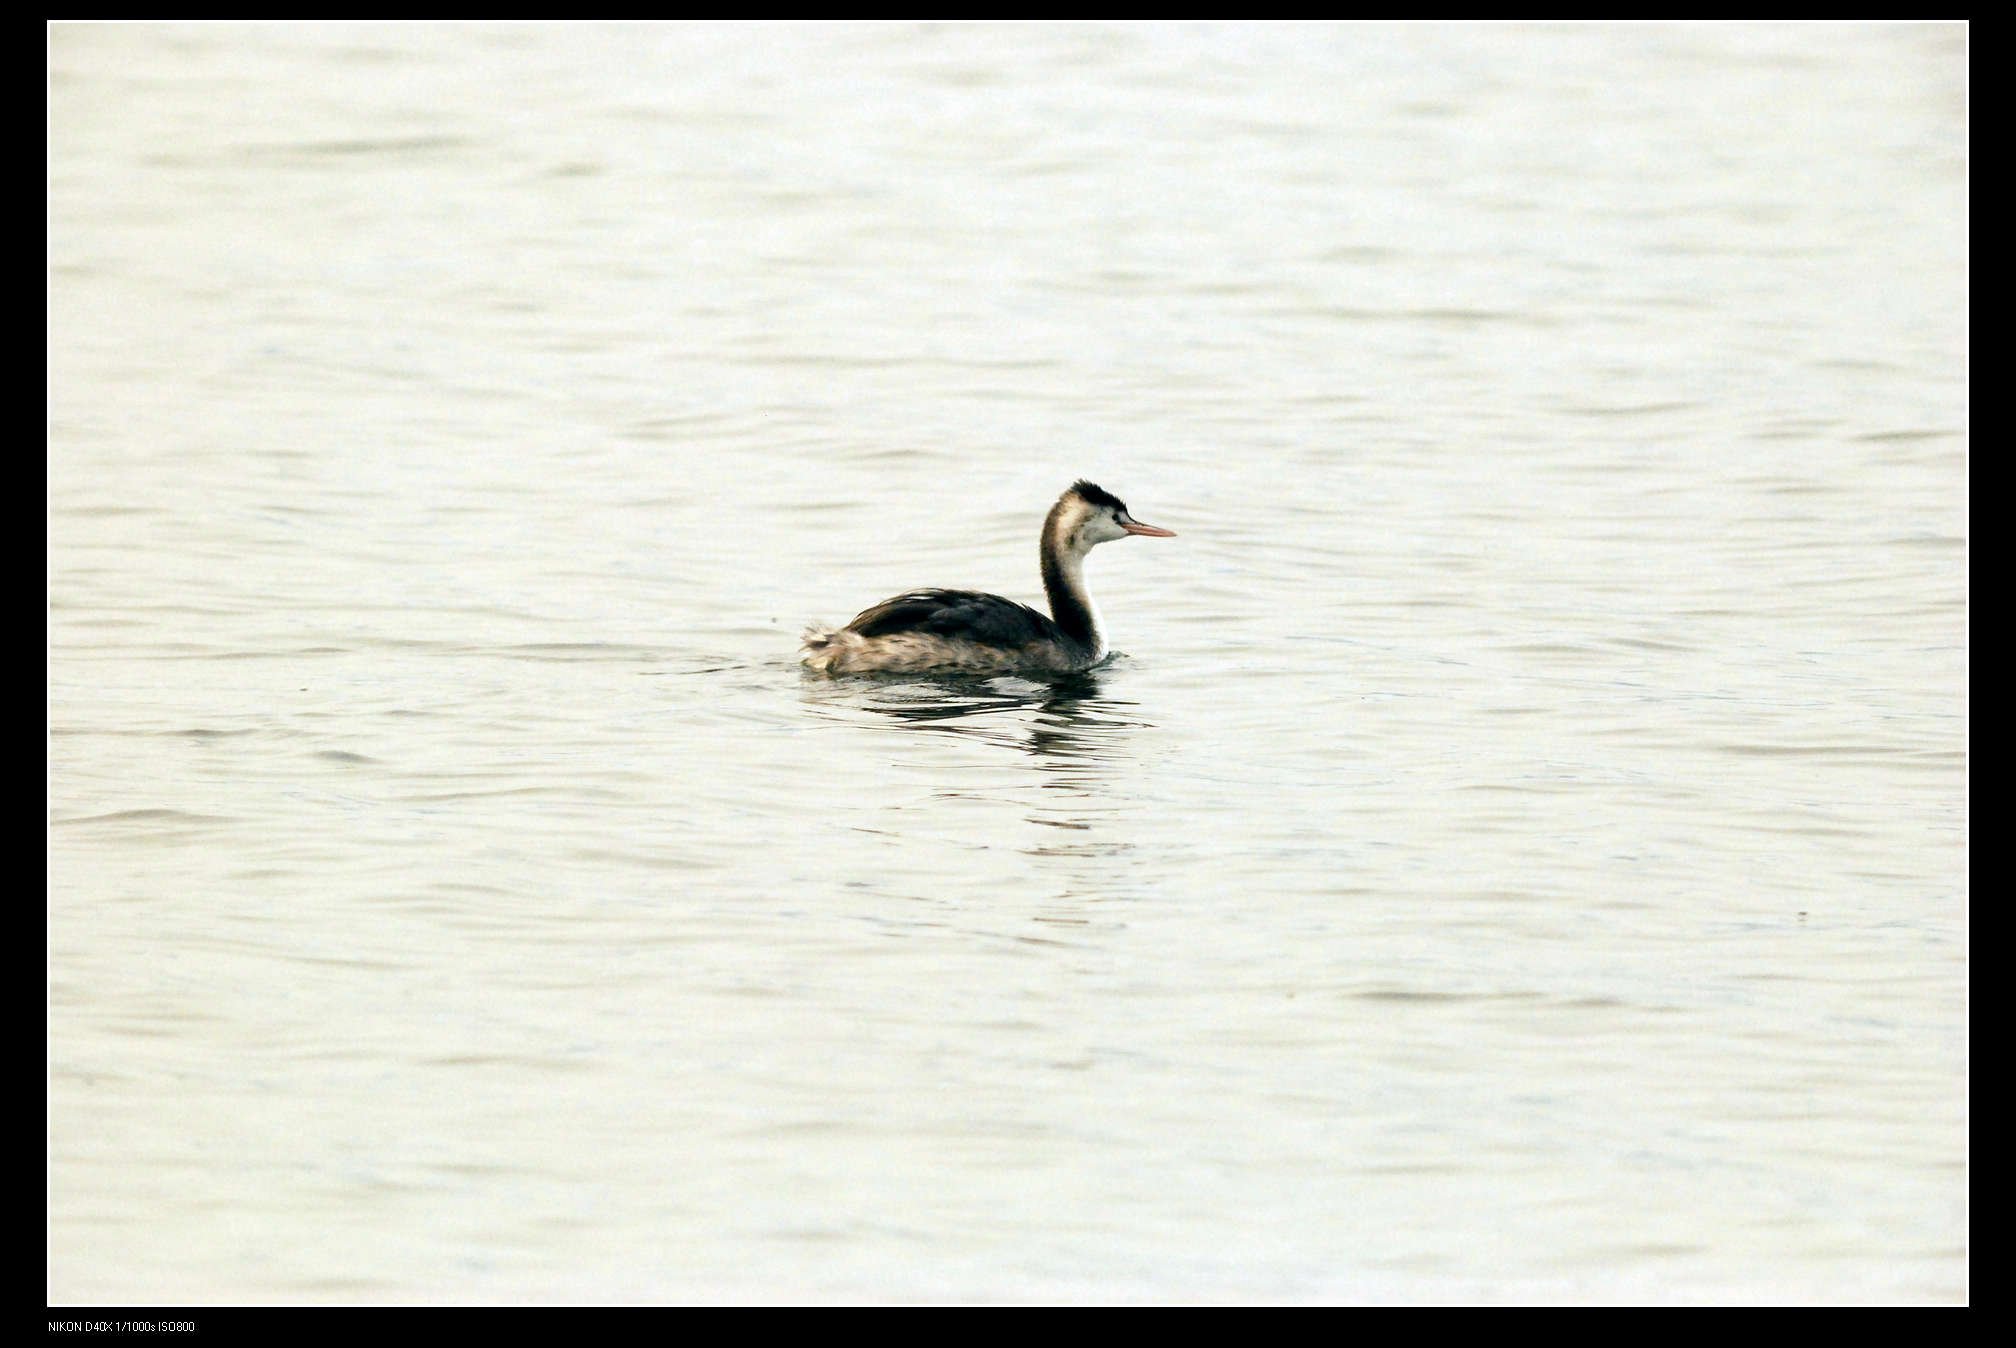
(826, 648)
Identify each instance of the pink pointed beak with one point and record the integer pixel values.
(1146, 530)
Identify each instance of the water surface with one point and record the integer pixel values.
(1518, 853)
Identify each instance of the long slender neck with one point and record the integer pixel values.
(1064, 581)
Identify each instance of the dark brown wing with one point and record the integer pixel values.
(958, 615)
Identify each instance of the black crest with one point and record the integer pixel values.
(1094, 494)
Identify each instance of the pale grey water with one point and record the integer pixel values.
(1520, 854)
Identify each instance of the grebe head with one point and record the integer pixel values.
(1087, 516)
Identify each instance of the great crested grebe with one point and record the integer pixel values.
(964, 631)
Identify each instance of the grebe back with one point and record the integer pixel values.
(967, 631)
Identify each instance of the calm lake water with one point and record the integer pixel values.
(1519, 852)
